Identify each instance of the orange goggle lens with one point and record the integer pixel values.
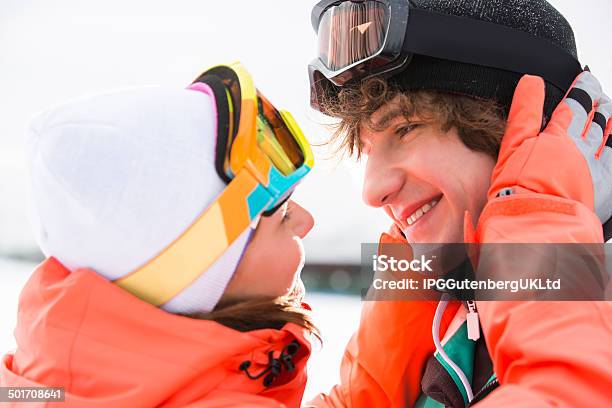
(351, 32)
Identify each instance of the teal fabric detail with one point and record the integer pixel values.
(258, 201)
(460, 350)
(425, 402)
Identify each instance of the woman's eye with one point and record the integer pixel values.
(286, 214)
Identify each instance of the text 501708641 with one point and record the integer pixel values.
(32, 394)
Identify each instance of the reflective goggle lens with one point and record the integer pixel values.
(351, 32)
(276, 139)
(274, 136)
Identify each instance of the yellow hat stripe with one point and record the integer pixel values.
(192, 253)
(182, 262)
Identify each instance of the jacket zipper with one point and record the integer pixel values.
(484, 391)
(473, 326)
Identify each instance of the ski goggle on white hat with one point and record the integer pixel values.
(362, 38)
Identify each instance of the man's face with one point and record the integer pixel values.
(424, 178)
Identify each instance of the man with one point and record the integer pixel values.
(461, 147)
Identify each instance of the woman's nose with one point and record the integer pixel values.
(381, 182)
(301, 220)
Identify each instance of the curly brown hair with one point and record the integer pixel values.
(480, 123)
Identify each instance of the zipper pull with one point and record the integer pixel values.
(473, 325)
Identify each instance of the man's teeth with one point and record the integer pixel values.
(420, 212)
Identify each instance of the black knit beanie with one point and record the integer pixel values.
(536, 17)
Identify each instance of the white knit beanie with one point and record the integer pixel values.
(116, 178)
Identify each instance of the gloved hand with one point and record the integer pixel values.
(569, 158)
(556, 180)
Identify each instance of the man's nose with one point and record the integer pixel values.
(382, 180)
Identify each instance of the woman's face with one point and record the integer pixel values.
(424, 178)
(273, 260)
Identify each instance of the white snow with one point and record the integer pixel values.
(337, 317)
(13, 275)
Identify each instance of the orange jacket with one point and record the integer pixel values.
(384, 360)
(544, 353)
(110, 349)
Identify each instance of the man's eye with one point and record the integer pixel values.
(404, 130)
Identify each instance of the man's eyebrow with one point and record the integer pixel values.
(387, 118)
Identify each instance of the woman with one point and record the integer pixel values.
(163, 285)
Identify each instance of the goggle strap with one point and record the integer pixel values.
(483, 43)
(471, 41)
(223, 121)
(194, 251)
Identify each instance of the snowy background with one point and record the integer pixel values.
(51, 51)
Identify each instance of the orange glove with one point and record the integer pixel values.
(569, 159)
(549, 186)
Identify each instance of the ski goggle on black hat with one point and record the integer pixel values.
(362, 38)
